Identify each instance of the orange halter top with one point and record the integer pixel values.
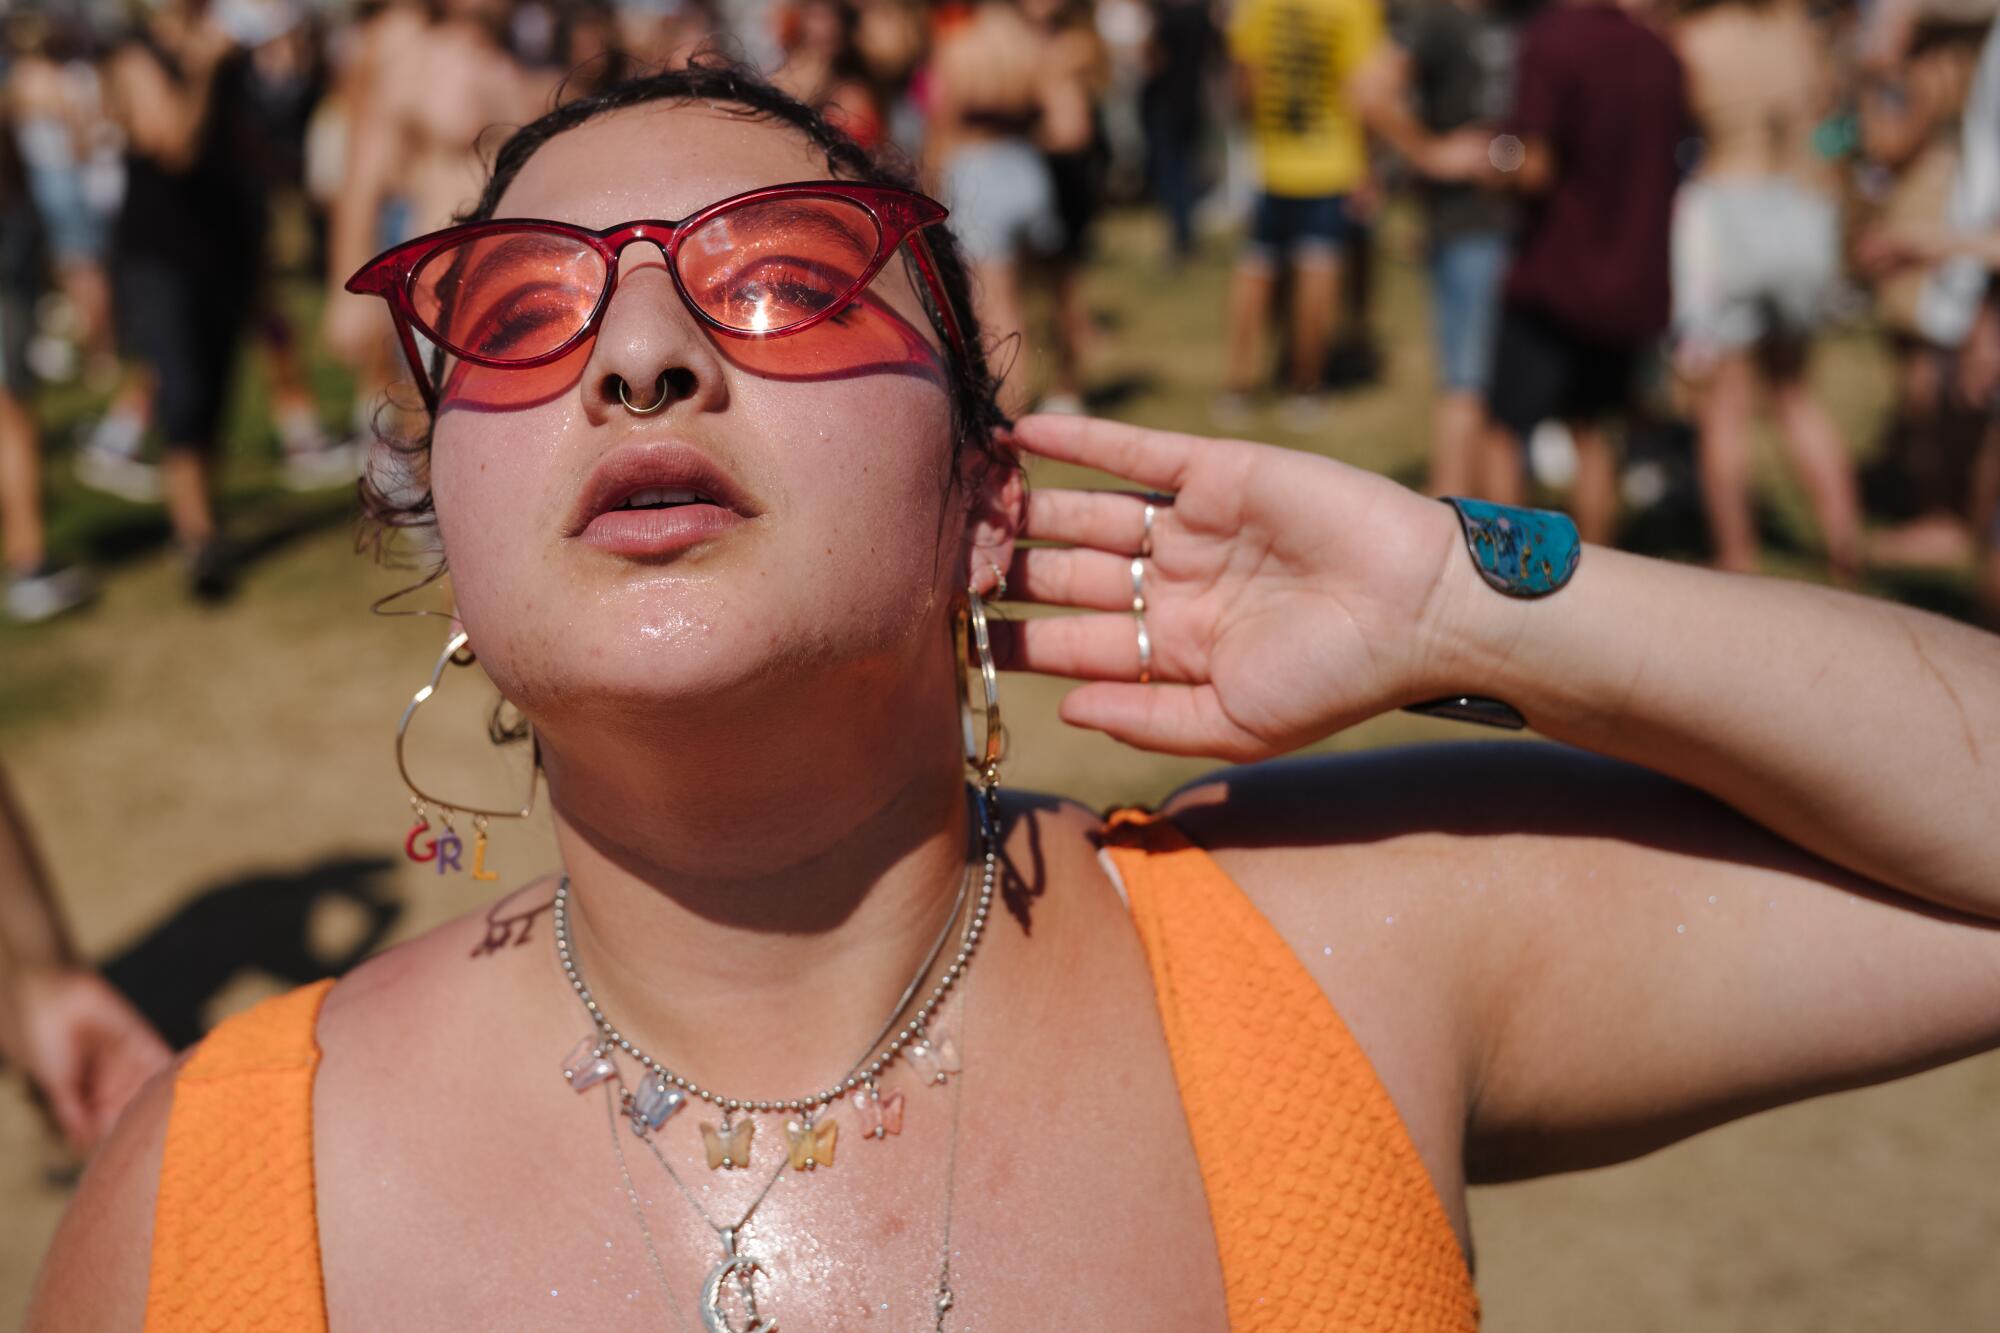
(1323, 1212)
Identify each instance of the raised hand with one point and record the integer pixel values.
(1287, 595)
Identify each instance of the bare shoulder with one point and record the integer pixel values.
(378, 996)
(94, 1275)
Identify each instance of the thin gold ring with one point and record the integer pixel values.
(659, 404)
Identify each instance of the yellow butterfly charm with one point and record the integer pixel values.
(728, 1147)
(812, 1145)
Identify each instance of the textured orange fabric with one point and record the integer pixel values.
(235, 1237)
(1323, 1211)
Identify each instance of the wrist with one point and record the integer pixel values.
(1508, 569)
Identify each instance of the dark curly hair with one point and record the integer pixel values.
(723, 85)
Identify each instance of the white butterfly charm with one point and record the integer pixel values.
(934, 1061)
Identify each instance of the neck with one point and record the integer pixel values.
(749, 911)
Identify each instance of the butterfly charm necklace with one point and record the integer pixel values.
(661, 1092)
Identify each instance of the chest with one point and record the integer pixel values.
(1058, 1162)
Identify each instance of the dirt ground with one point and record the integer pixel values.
(216, 795)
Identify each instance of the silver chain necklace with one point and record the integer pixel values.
(667, 1091)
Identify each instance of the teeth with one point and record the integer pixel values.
(660, 495)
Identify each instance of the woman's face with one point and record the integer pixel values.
(832, 558)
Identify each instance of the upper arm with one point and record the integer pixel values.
(149, 107)
(95, 1274)
(1365, 32)
(1614, 959)
(1382, 83)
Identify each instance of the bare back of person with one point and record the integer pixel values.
(991, 76)
(1756, 85)
(449, 87)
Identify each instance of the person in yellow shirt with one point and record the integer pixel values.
(1295, 61)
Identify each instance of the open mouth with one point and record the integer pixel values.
(657, 498)
(663, 497)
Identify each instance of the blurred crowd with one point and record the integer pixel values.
(1637, 217)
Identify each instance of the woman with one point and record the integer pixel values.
(991, 84)
(720, 574)
(1076, 77)
(1757, 265)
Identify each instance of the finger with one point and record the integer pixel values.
(1092, 580)
(1107, 520)
(65, 1090)
(1156, 458)
(1093, 647)
(1168, 719)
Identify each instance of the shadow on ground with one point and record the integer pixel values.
(258, 923)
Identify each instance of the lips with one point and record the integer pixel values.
(657, 499)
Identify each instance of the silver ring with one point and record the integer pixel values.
(1145, 650)
(659, 404)
(1146, 537)
(1138, 586)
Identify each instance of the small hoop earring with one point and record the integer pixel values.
(975, 649)
(446, 850)
(659, 404)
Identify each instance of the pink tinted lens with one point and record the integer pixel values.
(765, 266)
(510, 295)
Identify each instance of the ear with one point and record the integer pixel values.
(997, 510)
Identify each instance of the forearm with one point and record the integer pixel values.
(32, 939)
(1391, 121)
(31, 930)
(1864, 732)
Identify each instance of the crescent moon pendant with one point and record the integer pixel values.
(712, 1317)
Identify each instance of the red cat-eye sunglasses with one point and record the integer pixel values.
(519, 292)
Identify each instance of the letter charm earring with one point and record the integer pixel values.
(447, 849)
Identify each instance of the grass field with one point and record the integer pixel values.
(218, 801)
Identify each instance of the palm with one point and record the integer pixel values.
(1285, 594)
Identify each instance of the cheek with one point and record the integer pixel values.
(490, 477)
(866, 488)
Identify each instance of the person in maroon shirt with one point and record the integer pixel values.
(1600, 110)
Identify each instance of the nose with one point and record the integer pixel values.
(652, 356)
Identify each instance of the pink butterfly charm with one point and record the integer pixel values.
(587, 1066)
(880, 1116)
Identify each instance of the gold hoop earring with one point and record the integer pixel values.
(446, 850)
(974, 641)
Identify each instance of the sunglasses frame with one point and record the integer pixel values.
(899, 215)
